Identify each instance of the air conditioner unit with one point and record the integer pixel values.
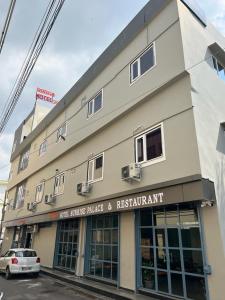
(83, 188)
(131, 172)
(50, 199)
(31, 206)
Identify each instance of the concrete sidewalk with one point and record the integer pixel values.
(97, 287)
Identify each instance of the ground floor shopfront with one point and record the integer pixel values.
(162, 249)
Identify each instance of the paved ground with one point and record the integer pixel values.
(28, 288)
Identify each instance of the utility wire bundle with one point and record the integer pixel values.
(40, 38)
(6, 24)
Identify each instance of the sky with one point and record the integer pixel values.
(82, 31)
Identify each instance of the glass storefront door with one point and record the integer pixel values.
(170, 258)
(103, 246)
(67, 245)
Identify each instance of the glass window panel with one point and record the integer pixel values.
(114, 271)
(100, 222)
(69, 249)
(173, 238)
(172, 216)
(221, 71)
(99, 252)
(114, 236)
(214, 63)
(147, 256)
(94, 236)
(162, 281)
(148, 279)
(115, 221)
(147, 60)
(195, 287)
(160, 237)
(147, 237)
(73, 263)
(177, 284)
(92, 267)
(107, 253)
(98, 102)
(175, 261)
(134, 70)
(107, 236)
(75, 236)
(115, 253)
(107, 270)
(93, 252)
(98, 268)
(146, 217)
(68, 262)
(93, 222)
(99, 236)
(193, 261)
(154, 144)
(159, 217)
(108, 222)
(98, 173)
(74, 251)
(99, 162)
(140, 150)
(64, 248)
(161, 258)
(188, 216)
(191, 237)
(90, 169)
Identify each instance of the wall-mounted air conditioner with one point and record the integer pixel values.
(31, 206)
(83, 188)
(131, 172)
(50, 199)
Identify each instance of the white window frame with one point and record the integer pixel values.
(39, 198)
(92, 162)
(59, 136)
(138, 60)
(20, 196)
(43, 148)
(24, 156)
(92, 100)
(57, 191)
(146, 162)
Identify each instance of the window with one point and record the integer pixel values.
(95, 104)
(170, 254)
(43, 148)
(142, 64)
(220, 69)
(95, 168)
(20, 195)
(104, 246)
(61, 132)
(39, 192)
(59, 184)
(67, 245)
(149, 146)
(24, 159)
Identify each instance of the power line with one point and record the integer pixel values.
(42, 34)
(6, 24)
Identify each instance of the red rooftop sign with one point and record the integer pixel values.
(45, 95)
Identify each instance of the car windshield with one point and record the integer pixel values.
(26, 253)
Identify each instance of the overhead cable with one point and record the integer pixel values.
(42, 34)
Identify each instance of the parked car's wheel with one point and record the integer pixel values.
(8, 274)
(36, 274)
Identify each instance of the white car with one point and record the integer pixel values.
(19, 261)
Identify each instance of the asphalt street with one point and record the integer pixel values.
(28, 288)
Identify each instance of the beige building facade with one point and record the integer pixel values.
(122, 181)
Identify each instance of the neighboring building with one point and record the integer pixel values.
(3, 186)
(123, 181)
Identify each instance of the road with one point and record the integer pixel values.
(28, 288)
